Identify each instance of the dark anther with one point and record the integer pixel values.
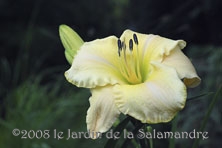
(131, 44)
(135, 39)
(119, 43)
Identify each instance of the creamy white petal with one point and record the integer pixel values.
(151, 48)
(96, 64)
(183, 66)
(102, 112)
(156, 100)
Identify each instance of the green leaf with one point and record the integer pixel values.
(207, 115)
(71, 42)
(198, 96)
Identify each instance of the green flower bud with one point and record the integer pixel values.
(71, 42)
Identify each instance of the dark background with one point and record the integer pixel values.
(34, 93)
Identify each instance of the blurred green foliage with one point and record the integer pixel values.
(34, 93)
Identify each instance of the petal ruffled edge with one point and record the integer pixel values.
(102, 112)
(185, 69)
(152, 48)
(96, 64)
(156, 100)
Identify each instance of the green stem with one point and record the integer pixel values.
(150, 129)
(120, 127)
(174, 126)
(207, 115)
(127, 141)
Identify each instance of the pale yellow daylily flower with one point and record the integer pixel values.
(143, 76)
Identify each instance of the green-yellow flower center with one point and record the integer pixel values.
(130, 66)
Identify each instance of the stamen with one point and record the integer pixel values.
(135, 39)
(129, 59)
(131, 44)
(119, 43)
(123, 45)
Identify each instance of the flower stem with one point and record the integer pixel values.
(150, 129)
(112, 142)
(135, 142)
(174, 126)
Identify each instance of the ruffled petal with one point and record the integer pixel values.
(96, 64)
(152, 48)
(156, 100)
(102, 112)
(183, 66)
